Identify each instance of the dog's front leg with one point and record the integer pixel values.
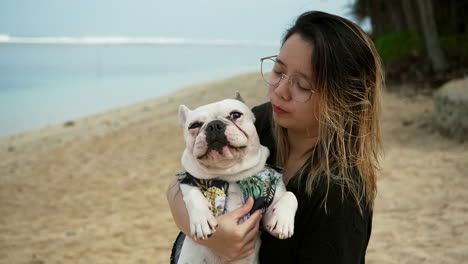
(202, 221)
(279, 218)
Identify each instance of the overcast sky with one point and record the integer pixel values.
(201, 19)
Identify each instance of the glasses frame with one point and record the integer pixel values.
(283, 76)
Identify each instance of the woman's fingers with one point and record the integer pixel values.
(250, 240)
(252, 222)
(246, 254)
(251, 234)
(242, 211)
(234, 241)
(249, 246)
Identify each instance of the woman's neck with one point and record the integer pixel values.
(300, 144)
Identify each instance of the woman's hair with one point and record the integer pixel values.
(348, 79)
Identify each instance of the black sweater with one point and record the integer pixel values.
(338, 235)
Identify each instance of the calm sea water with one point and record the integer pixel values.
(42, 85)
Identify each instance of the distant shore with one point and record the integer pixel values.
(107, 121)
(92, 190)
(84, 105)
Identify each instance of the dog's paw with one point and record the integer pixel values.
(279, 220)
(279, 225)
(202, 224)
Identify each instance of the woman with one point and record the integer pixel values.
(322, 126)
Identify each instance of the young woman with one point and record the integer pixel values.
(322, 126)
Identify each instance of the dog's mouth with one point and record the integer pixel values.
(218, 150)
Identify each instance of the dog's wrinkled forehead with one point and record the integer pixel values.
(231, 110)
(220, 110)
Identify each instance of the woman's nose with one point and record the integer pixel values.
(282, 90)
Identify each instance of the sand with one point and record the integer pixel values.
(93, 191)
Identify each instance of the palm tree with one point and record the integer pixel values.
(431, 37)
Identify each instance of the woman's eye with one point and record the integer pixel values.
(305, 89)
(235, 115)
(304, 85)
(195, 125)
(276, 71)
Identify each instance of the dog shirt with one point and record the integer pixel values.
(261, 186)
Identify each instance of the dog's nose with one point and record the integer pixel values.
(216, 126)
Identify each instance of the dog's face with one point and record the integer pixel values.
(220, 134)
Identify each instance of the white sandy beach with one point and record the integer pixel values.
(94, 191)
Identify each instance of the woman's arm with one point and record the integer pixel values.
(177, 205)
(231, 241)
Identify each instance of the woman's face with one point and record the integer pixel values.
(295, 59)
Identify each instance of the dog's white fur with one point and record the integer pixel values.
(245, 157)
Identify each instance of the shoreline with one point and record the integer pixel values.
(111, 109)
(106, 121)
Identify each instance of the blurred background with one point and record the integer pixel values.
(419, 41)
(61, 60)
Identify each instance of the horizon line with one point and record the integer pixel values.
(126, 40)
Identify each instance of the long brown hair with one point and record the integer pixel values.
(348, 80)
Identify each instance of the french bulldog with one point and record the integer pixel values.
(222, 145)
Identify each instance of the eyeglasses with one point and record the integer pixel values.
(273, 72)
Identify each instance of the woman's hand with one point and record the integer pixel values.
(233, 240)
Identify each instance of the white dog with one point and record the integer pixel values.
(225, 165)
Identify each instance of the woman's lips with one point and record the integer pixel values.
(279, 110)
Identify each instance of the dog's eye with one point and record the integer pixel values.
(195, 125)
(235, 115)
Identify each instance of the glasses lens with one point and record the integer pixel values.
(300, 89)
(267, 72)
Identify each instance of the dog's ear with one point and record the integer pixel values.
(239, 97)
(183, 113)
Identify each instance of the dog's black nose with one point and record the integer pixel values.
(215, 136)
(216, 126)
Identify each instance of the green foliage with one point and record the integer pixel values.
(396, 46)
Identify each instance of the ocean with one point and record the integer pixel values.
(48, 83)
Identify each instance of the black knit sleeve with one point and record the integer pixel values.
(262, 115)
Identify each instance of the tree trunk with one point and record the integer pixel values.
(410, 17)
(431, 38)
(377, 17)
(453, 17)
(394, 10)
